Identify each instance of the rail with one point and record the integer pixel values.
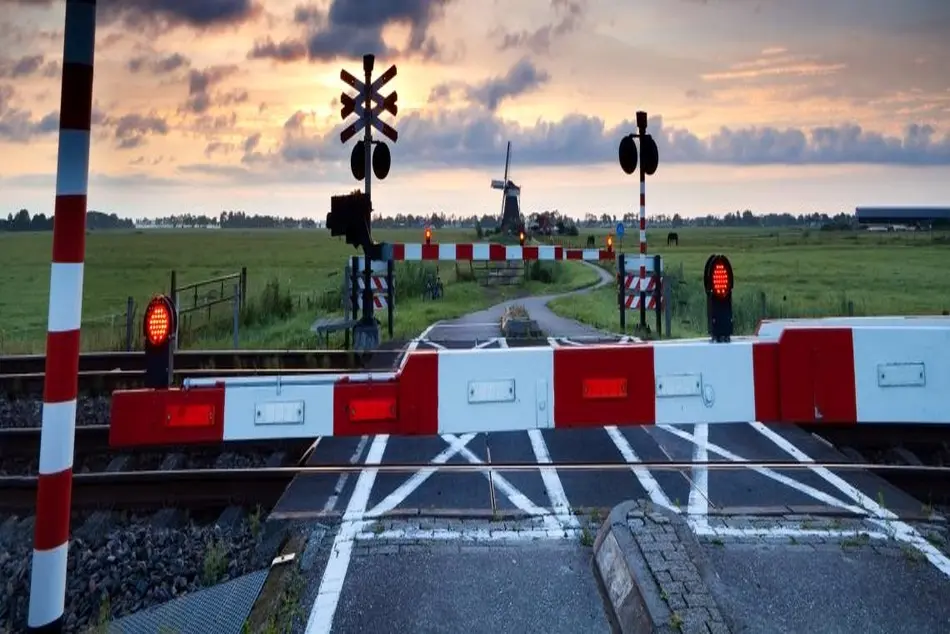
(207, 360)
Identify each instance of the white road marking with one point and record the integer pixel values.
(341, 481)
(406, 489)
(517, 498)
(783, 531)
(769, 473)
(883, 517)
(553, 342)
(570, 342)
(552, 482)
(502, 343)
(415, 344)
(485, 344)
(647, 481)
(698, 504)
(474, 534)
(331, 584)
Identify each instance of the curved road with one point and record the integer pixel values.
(484, 324)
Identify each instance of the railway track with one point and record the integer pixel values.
(102, 373)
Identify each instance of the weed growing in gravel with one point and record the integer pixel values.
(676, 622)
(254, 521)
(215, 563)
(587, 538)
(288, 609)
(105, 615)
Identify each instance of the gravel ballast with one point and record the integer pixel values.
(27, 412)
(130, 566)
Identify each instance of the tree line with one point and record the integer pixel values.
(545, 221)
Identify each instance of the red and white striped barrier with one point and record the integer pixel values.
(636, 284)
(378, 283)
(488, 252)
(379, 301)
(60, 389)
(632, 302)
(805, 375)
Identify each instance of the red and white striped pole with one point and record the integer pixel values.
(54, 492)
(642, 131)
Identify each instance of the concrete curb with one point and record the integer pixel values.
(635, 599)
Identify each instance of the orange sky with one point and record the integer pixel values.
(195, 112)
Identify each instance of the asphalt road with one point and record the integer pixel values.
(433, 551)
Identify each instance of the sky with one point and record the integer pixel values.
(771, 105)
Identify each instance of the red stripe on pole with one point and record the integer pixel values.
(643, 223)
(558, 253)
(816, 376)
(53, 499)
(464, 252)
(529, 253)
(430, 252)
(62, 366)
(610, 364)
(497, 252)
(75, 108)
(575, 254)
(399, 252)
(69, 229)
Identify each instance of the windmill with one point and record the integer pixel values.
(510, 196)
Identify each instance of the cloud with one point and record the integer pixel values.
(522, 78)
(158, 64)
(167, 14)
(199, 84)
(351, 28)
(570, 14)
(18, 125)
(131, 130)
(27, 66)
(475, 137)
(776, 63)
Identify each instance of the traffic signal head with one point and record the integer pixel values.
(428, 235)
(158, 327)
(349, 216)
(718, 283)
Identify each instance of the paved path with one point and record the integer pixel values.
(484, 324)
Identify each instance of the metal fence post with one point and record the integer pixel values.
(237, 313)
(344, 298)
(243, 287)
(668, 308)
(129, 321)
(390, 294)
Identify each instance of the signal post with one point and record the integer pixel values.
(350, 216)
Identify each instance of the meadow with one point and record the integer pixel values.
(295, 277)
(789, 273)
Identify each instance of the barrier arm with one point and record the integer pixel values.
(802, 375)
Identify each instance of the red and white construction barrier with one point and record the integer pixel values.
(804, 375)
(488, 252)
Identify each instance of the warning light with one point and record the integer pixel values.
(718, 282)
(521, 237)
(428, 235)
(610, 242)
(159, 327)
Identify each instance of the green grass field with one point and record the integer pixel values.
(294, 277)
(789, 273)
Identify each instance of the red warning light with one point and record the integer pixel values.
(720, 279)
(610, 242)
(159, 321)
(428, 235)
(521, 237)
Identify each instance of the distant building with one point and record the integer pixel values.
(902, 216)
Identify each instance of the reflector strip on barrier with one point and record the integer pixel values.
(802, 375)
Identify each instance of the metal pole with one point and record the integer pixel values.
(236, 302)
(367, 166)
(60, 387)
(621, 293)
